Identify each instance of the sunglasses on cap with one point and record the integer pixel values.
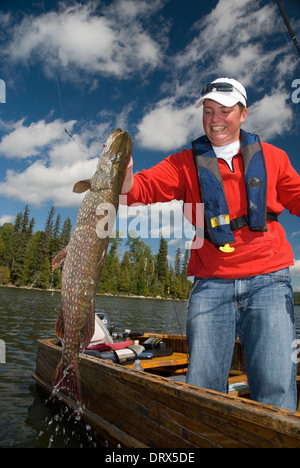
(222, 87)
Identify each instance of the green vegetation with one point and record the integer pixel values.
(26, 257)
(141, 273)
(297, 298)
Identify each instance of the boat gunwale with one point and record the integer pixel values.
(269, 417)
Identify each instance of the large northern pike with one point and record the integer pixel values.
(84, 257)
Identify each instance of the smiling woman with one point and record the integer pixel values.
(222, 124)
(136, 64)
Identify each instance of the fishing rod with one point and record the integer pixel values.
(291, 32)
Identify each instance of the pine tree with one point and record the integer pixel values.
(65, 234)
(2, 247)
(55, 238)
(26, 257)
(162, 261)
(177, 267)
(111, 269)
(22, 234)
(125, 279)
(185, 264)
(7, 235)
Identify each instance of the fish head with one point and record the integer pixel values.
(113, 161)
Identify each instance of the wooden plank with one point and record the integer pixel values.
(211, 427)
(175, 420)
(134, 411)
(164, 425)
(178, 412)
(246, 412)
(256, 441)
(176, 359)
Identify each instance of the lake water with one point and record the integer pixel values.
(26, 316)
(26, 419)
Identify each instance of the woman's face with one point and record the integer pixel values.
(222, 124)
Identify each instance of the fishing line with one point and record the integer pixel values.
(61, 102)
(71, 136)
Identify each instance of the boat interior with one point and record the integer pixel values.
(159, 354)
(154, 398)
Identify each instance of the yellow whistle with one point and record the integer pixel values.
(226, 248)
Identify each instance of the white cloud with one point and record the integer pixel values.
(60, 161)
(168, 126)
(232, 40)
(156, 220)
(6, 219)
(295, 269)
(128, 10)
(236, 39)
(77, 38)
(120, 43)
(25, 141)
(39, 183)
(271, 116)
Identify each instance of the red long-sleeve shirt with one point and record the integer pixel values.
(255, 253)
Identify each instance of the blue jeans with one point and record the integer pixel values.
(260, 311)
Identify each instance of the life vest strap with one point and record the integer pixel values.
(242, 221)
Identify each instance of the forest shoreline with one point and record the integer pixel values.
(129, 296)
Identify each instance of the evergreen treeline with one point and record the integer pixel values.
(141, 273)
(26, 257)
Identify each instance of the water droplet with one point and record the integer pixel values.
(50, 442)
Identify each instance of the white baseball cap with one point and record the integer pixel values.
(225, 91)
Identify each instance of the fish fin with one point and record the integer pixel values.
(88, 330)
(59, 258)
(67, 376)
(82, 186)
(59, 325)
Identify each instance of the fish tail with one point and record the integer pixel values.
(67, 376)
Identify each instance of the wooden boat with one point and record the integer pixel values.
(152, 409)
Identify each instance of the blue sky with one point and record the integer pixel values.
(92, 66)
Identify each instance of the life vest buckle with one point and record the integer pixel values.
(220, 220)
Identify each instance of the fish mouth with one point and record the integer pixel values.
(112, 137)
(119, 141)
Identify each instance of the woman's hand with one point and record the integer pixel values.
(128, 179)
